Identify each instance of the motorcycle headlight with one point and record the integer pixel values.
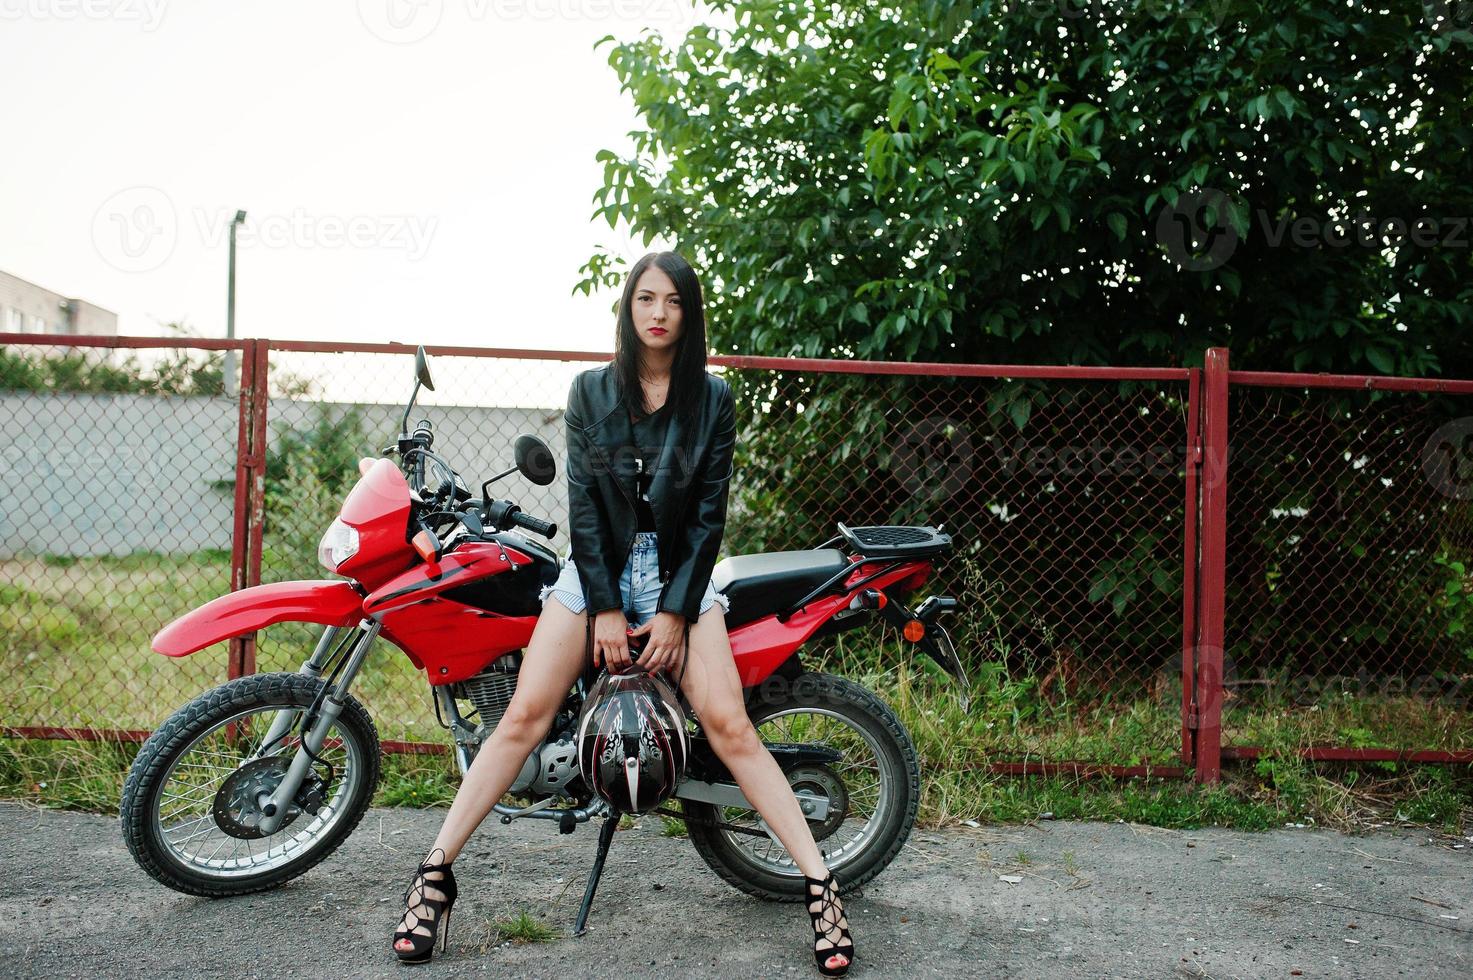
(338, 545)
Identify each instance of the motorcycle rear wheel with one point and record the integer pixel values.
(877, 787)
(187, 806)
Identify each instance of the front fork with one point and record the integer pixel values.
(274, 807)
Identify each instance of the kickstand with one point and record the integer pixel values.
(605, 836)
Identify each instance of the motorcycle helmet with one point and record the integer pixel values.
(632, 741)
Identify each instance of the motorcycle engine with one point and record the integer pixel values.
(552, 764)
(558, 764)
(491, 690)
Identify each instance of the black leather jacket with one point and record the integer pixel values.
(688, 491)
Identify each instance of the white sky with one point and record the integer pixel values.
(434, 187)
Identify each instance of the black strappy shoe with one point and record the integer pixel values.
(826, 918)
(417, 897)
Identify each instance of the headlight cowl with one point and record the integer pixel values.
(338, 545)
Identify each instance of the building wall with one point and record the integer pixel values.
(92, 320)
(85, 474)
(28, 308)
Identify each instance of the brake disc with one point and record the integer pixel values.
(821, 780)
(237, 807)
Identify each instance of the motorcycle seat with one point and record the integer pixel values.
(759, 585)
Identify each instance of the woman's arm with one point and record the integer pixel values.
(588, 519)
(696, 548)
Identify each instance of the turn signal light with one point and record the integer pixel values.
(426, 545)
(914, 630)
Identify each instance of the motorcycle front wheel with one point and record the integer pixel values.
(190, 808)
(874, 790)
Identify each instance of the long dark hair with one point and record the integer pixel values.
(687, 381)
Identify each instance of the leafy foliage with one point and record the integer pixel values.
(165, 371)
(179, 372)
(308, 472)
(987, 181)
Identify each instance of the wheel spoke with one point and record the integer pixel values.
(193, 833)
(864, 800)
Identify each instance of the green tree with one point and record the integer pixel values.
(1015, 182)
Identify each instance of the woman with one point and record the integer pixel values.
(680, 425)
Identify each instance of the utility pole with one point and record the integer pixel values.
(232, 382)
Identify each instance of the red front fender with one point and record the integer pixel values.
(331, 602)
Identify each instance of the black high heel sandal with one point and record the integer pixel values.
(417, 897)
(828, 915)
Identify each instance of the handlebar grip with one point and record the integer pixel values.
(423, 437)
(536, 524)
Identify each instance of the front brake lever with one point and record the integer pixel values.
(472, 520)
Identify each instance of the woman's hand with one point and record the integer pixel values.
(665, 648)
(611, 641)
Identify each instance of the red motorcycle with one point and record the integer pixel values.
(254, 782)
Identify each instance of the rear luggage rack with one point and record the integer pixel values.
(895, 540)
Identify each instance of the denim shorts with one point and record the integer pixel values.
(639, 584)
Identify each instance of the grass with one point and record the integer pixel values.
(89, 775)
(75, 634)
(524, 927)
(1272, 793)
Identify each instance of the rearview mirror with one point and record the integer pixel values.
(535, 460)
(422, 367)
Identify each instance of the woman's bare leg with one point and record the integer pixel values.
(714, 690)
(551, 662)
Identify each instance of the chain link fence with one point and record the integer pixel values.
(119, 514)
(139, 486)
(1350, 526)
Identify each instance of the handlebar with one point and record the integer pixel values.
(505, 514)
(499, 513)
(535, 524)
(423, 437)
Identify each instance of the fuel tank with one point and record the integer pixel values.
(511, 593)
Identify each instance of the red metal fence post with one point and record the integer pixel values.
(256, 514)
(1191, 510)
(1206, 710)
(239, 576)
(250, 492)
